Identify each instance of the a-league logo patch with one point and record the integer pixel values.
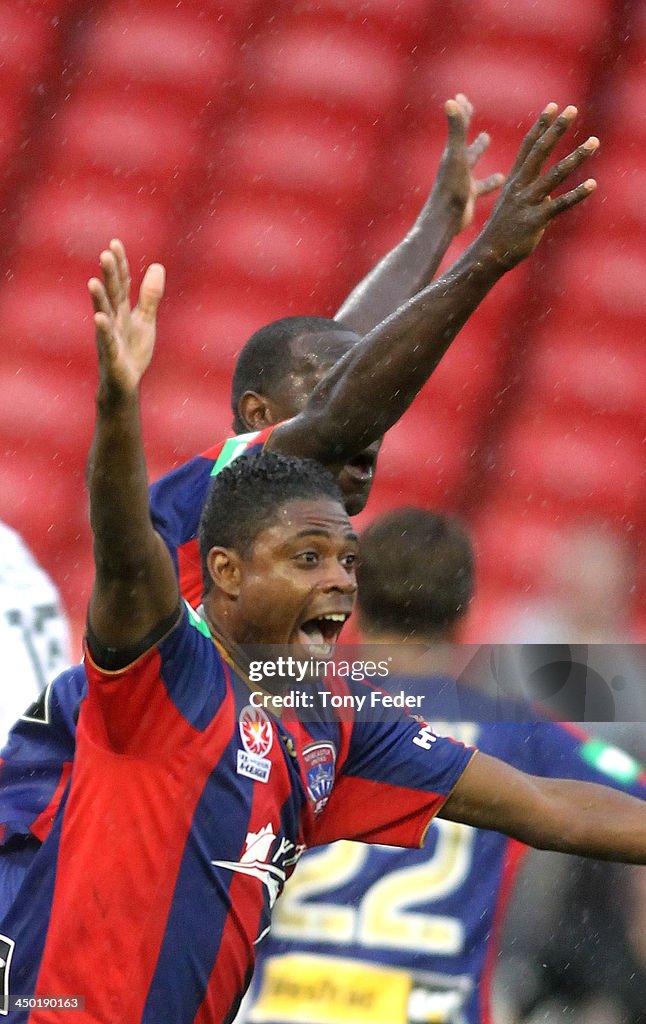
(255, 731)
(320, 759)
(6, 953)
(257, 737)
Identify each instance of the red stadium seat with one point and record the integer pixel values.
(426, 457)
(340, 69)
(620, 170)
(629, 97)
(55, 410)
(570, 371)
(583, 465)
(295, 152)
(26, 41)
(273, 244)
(43, 497)
(540, 25)
(47, 320)
(507, 88)
(169, 51)
(603, 280)
(516, 546)
(131, 139)
(207, 325)
(403, 22)
(77, 219)
(233, 13)
(182, 417)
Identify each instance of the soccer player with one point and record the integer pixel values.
(314, 376)
(34, 631)
(188, 806)
(403, 934)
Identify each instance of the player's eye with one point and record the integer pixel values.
(308, 557)
(349, 560)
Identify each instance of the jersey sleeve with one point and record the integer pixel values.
(163, 699)
(36, 761)
(563, 750)
(176, 501)
(396, 777)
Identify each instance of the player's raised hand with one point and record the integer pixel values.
(456, 185)
(125, 337)
(525, 206)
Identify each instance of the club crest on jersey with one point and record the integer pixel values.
(6, 953)
(320, 759)
(257, 737)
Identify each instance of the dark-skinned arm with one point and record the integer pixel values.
(135, 587)
(550, 814)
(367, 391)
(448, 210)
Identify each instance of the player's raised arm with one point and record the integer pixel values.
(135, 586)
(550, 814)
(448, 209)
(375, 382)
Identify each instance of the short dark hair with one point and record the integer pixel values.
(245, 496)
(266, 357)
(415, 574)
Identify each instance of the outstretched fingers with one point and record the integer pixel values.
(103, 317)
(151, 291)
(458, 114)
(557, 174)
(479, 145)
(570, 199)
(118, 250)
(544, 145)
(538, 129)
(489, 184)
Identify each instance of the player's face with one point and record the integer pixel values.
(313, 355)
(298, 584)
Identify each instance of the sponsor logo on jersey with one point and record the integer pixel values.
(40, 711)
(257, 737)
(320, 759)
(6, 953)
(255, 860)
(425, 738)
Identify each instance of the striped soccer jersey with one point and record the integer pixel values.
(186, 811)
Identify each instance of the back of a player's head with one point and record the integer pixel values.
(267, 358)
(247, 496)
(415, 574)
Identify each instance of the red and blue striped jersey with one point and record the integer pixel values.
(186, 811)
(376, 935)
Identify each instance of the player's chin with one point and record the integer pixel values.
(356, 501)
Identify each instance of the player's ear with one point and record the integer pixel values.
(224, 570)
(255, 411)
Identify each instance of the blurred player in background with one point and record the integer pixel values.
(34, 631)
(368, 933)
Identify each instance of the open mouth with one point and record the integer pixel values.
(360, 469)
(320, 634)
